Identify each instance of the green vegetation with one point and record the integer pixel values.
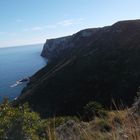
(104, 125)
(21, 123)
(93, 109)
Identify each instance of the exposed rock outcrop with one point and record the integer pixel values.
(54, 48)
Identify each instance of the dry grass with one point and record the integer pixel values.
(119, 125)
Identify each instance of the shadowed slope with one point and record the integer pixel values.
(99, 67)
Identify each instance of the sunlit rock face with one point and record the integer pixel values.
(54, 47)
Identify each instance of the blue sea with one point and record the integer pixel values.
(17, 63)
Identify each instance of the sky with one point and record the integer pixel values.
(33, 21)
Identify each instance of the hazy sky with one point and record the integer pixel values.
(33, 21)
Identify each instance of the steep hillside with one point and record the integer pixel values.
(101, 66)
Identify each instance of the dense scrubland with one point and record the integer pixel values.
(95, 123)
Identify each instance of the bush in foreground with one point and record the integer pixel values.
(20, 123)
(93, 109)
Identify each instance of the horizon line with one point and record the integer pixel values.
(21, 45)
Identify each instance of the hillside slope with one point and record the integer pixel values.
(102, 66)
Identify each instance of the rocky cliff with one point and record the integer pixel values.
(54, 48)
(95, 64)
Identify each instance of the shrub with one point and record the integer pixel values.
(19, 123)
(102, 113)
(93, 109)
(104, 126)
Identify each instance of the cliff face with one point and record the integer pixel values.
(101, 65)
(54, 48)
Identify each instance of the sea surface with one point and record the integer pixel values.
(17, 63)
